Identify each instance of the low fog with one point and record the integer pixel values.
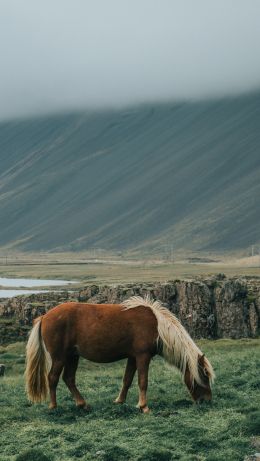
(75, 54)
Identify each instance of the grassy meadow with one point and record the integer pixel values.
(176, 429)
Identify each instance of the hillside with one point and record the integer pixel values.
(185, 174)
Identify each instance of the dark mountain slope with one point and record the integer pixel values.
(181, 173)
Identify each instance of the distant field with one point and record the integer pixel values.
(176, 429)
(110, 270)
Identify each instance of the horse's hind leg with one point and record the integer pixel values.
(68, 376)
(53, 377)
(127, 380)
(142, 362)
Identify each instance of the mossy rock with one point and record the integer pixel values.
(250, 298)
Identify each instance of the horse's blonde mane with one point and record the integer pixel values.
(178, 348)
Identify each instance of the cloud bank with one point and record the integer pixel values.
(73, 54)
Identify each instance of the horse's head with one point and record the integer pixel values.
(200, 391)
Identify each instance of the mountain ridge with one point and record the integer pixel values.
(140, 177)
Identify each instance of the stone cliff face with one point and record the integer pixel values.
(216, 307)
(211, 308)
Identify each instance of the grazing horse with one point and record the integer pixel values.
(135, 330)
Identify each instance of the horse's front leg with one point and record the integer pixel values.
(127, 380)
(142, 362)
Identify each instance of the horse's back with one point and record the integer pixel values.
(99, 332)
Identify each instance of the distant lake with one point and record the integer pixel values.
(28, 283)
(12, 293)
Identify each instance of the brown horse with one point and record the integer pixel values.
(135, 330)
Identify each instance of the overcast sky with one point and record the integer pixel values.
(72, 54)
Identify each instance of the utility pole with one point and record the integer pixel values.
(172, 253)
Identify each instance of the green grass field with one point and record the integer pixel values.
(176, 429)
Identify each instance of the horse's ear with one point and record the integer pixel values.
(202, 364)
(201, 359)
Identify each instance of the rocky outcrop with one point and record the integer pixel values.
(17, 314)
(216, 307)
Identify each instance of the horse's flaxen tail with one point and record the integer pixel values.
(38, 364)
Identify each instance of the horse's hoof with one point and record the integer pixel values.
(118, 401)
(87, 408)
(144, 409)
(52, 407)
(84, 406)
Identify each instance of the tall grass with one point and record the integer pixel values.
(176, 429)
